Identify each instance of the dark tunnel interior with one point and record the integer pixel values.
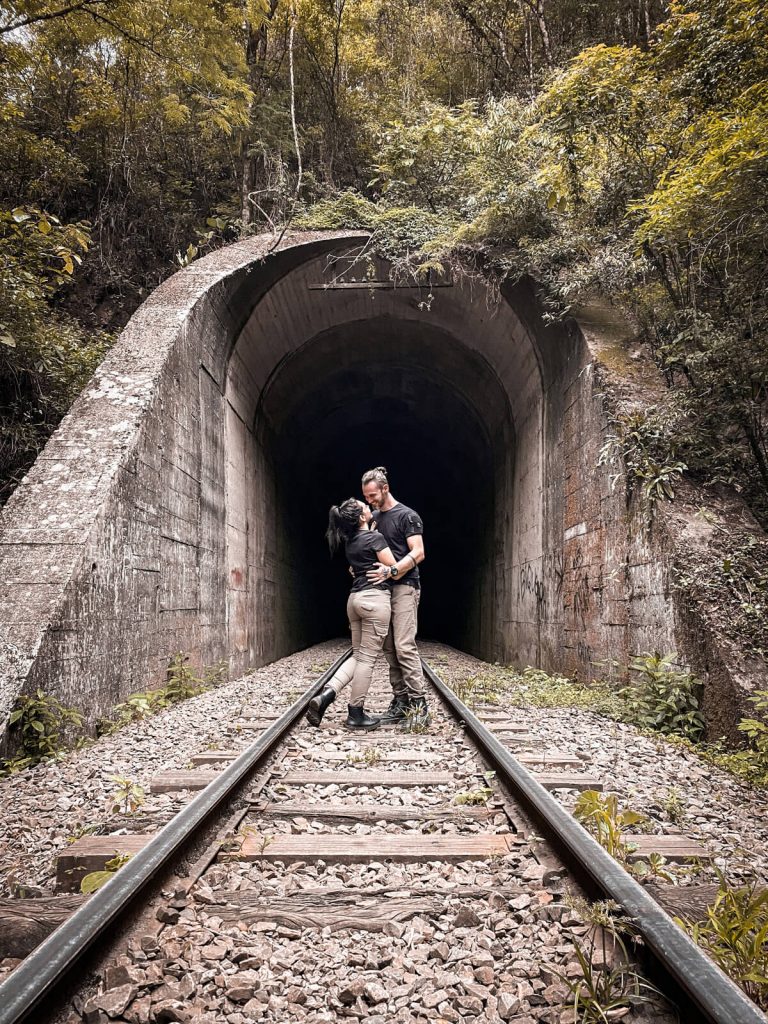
(387, 394)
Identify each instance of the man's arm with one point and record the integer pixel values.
(405, 565)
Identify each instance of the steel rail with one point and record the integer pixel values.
(712, 992)
(49, 965)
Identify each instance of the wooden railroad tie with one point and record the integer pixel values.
(345, 908)
(345, 849)
(368, 813)
(91, 853)
(366, 777)
(193, 781)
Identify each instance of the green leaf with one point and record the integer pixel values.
(93, 881)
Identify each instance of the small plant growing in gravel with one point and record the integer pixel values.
(474, 797)
(128, 796)
(38, 722)
(93, 881)
(675, 805)
(601, 816)
(735, 934)
(654, 868)
(182, 681)
(263, 840)
(664, 698)
(370, 758)
(415, 722)
(596, 996)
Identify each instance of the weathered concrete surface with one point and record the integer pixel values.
(181, 503)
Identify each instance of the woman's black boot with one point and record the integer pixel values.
(358, 719)
(320, 704)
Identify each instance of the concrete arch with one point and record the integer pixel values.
(166, 513)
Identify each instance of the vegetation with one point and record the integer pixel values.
(664, 698)
(607, 822)
(735, 934)
(598, 996)
(128, 796)
(182, 684)
(95, 879)
(37, 724)
(612, 148)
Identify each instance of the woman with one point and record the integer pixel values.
(368, 608)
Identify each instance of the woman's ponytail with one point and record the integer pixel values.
(343, 522)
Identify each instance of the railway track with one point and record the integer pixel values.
(443, 854)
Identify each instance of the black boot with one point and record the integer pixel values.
(320, 704)
(417, 715)
(396, 711)
(357, 719)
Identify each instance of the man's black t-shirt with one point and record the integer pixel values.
(361, 554)
(396, 526)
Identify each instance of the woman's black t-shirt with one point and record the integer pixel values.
(361, 554)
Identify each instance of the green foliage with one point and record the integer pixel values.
(370, 758)
(756, 730)
(735, 583)
(37, 723)
(735, 934)
(45, 357)
(598, 996)
(473, 797)
(538, 689)
(663, 698)
(182, 684)
(95, 879)
(639, 445)
(602, 817)
(128, 796)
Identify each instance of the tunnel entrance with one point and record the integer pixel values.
(412, 398)
(336, 370)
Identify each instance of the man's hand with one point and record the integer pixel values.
(378, 574)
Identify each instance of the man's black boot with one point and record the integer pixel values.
(320, 704)
(396, 711)
(358, 719)
(417, 714)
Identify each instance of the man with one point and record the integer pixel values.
(403, 530)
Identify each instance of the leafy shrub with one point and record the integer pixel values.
(37, 721)
(735, 934)
(664, 698)
(182, 684)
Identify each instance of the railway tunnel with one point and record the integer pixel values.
(339, 369)
(182, 503)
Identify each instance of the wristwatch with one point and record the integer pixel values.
(394, 571)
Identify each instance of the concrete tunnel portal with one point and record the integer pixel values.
(338, 369)
(181, 504)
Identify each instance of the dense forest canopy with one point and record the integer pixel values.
(613, 147)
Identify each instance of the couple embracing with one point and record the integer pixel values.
(384, 544)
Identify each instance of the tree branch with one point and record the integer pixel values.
(51, 15)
